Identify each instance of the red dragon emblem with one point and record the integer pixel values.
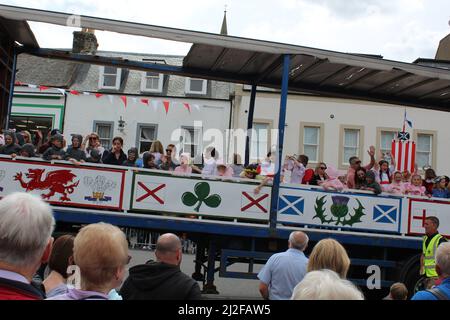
(55, 181)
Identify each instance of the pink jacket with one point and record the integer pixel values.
(415, 191)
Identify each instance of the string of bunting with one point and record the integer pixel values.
(124, 98)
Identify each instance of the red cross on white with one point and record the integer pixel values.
(151, 193)
(254, 202)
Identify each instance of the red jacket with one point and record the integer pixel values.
(14, 290)
(309, 173)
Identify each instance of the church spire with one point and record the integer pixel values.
(224, 30)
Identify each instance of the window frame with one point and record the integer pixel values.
(111, 123)
(144, 78)
(380, 130)
(187, 86)
(433, 152)
(139, 126)
(101, 79)
(345, 165)
(269, 124)
(321, 127)
(199, 152)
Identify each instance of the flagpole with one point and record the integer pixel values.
(404, 122)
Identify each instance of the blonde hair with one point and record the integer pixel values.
(98, 250)
(329, 254)
(157, 147)
(325, 285)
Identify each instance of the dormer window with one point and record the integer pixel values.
(152, 82)
(195, 86)
(109, 78)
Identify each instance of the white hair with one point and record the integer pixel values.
(325, 285)
(26, 225)
(443, 258)
(295, 243)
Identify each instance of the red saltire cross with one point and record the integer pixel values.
(151, 193)
(254, 202)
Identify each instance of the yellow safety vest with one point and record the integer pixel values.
(429, 254)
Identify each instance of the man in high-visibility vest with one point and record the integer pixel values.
(431, 241)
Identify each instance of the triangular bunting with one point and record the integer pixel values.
(145, 101)
(62, 91)
(155, 104)
(74, 92)
(111, 98)
(135, 100)
(187, 106)
(98, 95)
(32, 86)
(166, 106)
(86, 93)
(42, 88)
(124, 100)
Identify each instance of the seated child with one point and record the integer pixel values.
(371, 184)
(184, 167)
(55, 152)
(441, 188)
(74, 152)
(333, 182)
(397, 186)
(415, 187)
(149, 161)
(131, 159)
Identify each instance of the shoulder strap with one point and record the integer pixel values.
(438, 293)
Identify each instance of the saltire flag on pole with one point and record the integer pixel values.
(404, 153)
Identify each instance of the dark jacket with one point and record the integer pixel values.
(53, 151)
(10, 149)
(110, 158)
(76, 154)
(315, 180)
(159, 281)
(15, 290)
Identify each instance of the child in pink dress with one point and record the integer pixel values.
(415, 188)
(333, 182)
(184, 167)
(397, 186)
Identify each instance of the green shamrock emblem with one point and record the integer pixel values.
(201, 196)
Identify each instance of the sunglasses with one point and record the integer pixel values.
(168, 150)
(323, 168)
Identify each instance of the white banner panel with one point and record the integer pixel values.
(190, 195)
(66, 185)
(340, 210)
(420, 209)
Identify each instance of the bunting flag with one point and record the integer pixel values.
(62, 91)
(32, 86)
(155, 104)
(197, 107)
(124, 100)
(74, 92)
(42, 88)
(111, 98)
(145, 101)
(187, 106)
(98, 95)
(166, 106)
(135, 100)
(86, 93)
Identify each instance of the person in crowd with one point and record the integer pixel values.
(210, 162)
(429, 181)
(237, 165)
(60, 259)
(431, 241)
(43, 146)
(92, 142)
(267, 167)
(26, 226)
(406, 177)
(325, 285)
(441, 188)
(250, 172)
(10, 147)
(384, 175)
(74, 152)
(20, 140)
(283, 271)
(27, 151)
(161, 279)
(371, 183)
(360, 179)
(149, 161)
(397, 187)
(26, 137)
(415, 187)
(184, 167)
(168, 161)
(355, 165)
(100, 251)
(94, 157)
(333, 182)
(398, 291)
(320, 175)
(298, 168)
(224, 171)
(132, 158)
(56, 151)
(115, 156)
(309, 173)
(157, 150)
(329, 254)
(442, 269)
(2, 139)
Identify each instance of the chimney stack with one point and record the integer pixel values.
(84, 41)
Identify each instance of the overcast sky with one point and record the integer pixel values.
(400, 30)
